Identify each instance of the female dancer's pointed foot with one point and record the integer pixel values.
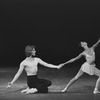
(64, 90)
(96, 91)
(33, 90)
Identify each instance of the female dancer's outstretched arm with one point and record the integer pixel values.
(73, 59)
(96, 44)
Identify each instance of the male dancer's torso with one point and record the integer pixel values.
(30, 66)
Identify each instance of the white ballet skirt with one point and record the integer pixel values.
(88, 68)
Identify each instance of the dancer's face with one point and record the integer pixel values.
(84, 44)
(33, 52)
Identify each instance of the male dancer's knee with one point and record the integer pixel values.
(49, 83)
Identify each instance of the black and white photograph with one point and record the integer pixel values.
(50, 49)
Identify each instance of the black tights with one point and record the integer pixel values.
(40, 84)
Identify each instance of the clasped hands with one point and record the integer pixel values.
(61, 65)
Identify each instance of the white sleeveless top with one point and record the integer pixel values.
(30, 66)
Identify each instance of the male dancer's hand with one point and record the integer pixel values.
(9, 85)
(60, 65)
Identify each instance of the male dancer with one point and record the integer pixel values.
(30, 64)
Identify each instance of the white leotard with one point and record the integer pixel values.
(90, 58)
(88, 66)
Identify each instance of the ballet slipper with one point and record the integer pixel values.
(64, 90)
(96, 91)
(30, 91)
(25, 90)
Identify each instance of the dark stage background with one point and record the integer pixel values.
(55, 27)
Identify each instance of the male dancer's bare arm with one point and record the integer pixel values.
(16, 76)
(49, 65)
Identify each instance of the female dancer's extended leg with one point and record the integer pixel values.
(80, 73)
(97, 73)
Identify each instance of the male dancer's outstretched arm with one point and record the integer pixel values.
(49, 65)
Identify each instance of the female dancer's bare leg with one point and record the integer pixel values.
(80, 73)
(97, 73)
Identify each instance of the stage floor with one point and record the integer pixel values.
(80, 90)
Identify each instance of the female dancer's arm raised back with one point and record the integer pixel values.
(96, 44)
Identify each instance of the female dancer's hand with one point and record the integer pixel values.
(99, 40)
(60, 65)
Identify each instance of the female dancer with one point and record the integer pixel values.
(34, 83)
(88, 67)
